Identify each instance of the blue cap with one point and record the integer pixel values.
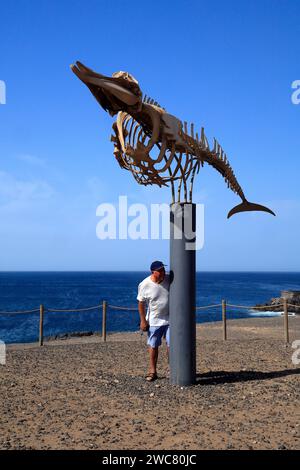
(156, 265)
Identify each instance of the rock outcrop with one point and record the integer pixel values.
(275, 303)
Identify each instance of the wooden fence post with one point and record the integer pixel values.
(41, 333)
(104, 311)
(224, 320)
(286, 321)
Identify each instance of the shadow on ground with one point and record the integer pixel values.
(223, 377)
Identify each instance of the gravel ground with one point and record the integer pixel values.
(85, 394)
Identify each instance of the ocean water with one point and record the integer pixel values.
(67, 290)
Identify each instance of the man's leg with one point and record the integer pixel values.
(153, 353)
(168, 348)
(154, 341)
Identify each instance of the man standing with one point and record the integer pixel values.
(154, 291)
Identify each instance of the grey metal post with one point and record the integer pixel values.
(182, 294)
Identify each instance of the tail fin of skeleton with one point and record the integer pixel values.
(248, 206)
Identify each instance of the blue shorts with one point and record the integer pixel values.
(156, 333)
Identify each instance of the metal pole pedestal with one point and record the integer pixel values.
(182, 294)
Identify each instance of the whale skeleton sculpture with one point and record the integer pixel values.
(154, 145)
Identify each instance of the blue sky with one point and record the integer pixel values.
(227, 66)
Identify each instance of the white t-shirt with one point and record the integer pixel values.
(156, 295)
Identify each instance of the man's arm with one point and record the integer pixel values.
(144, 325)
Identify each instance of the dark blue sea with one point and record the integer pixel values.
(67, 290)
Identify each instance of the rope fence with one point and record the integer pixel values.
(249, 307)
(104, 305)
(117, 307)
(72, 309)
(207, 306)
(21, 311)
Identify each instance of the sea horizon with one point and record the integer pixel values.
(139, 271)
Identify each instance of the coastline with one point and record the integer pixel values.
(77, 290)
(65, 336)
(244, 328)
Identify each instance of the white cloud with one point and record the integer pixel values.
(32, 160)
(17, 191)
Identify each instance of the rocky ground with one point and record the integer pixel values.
(85, 394)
